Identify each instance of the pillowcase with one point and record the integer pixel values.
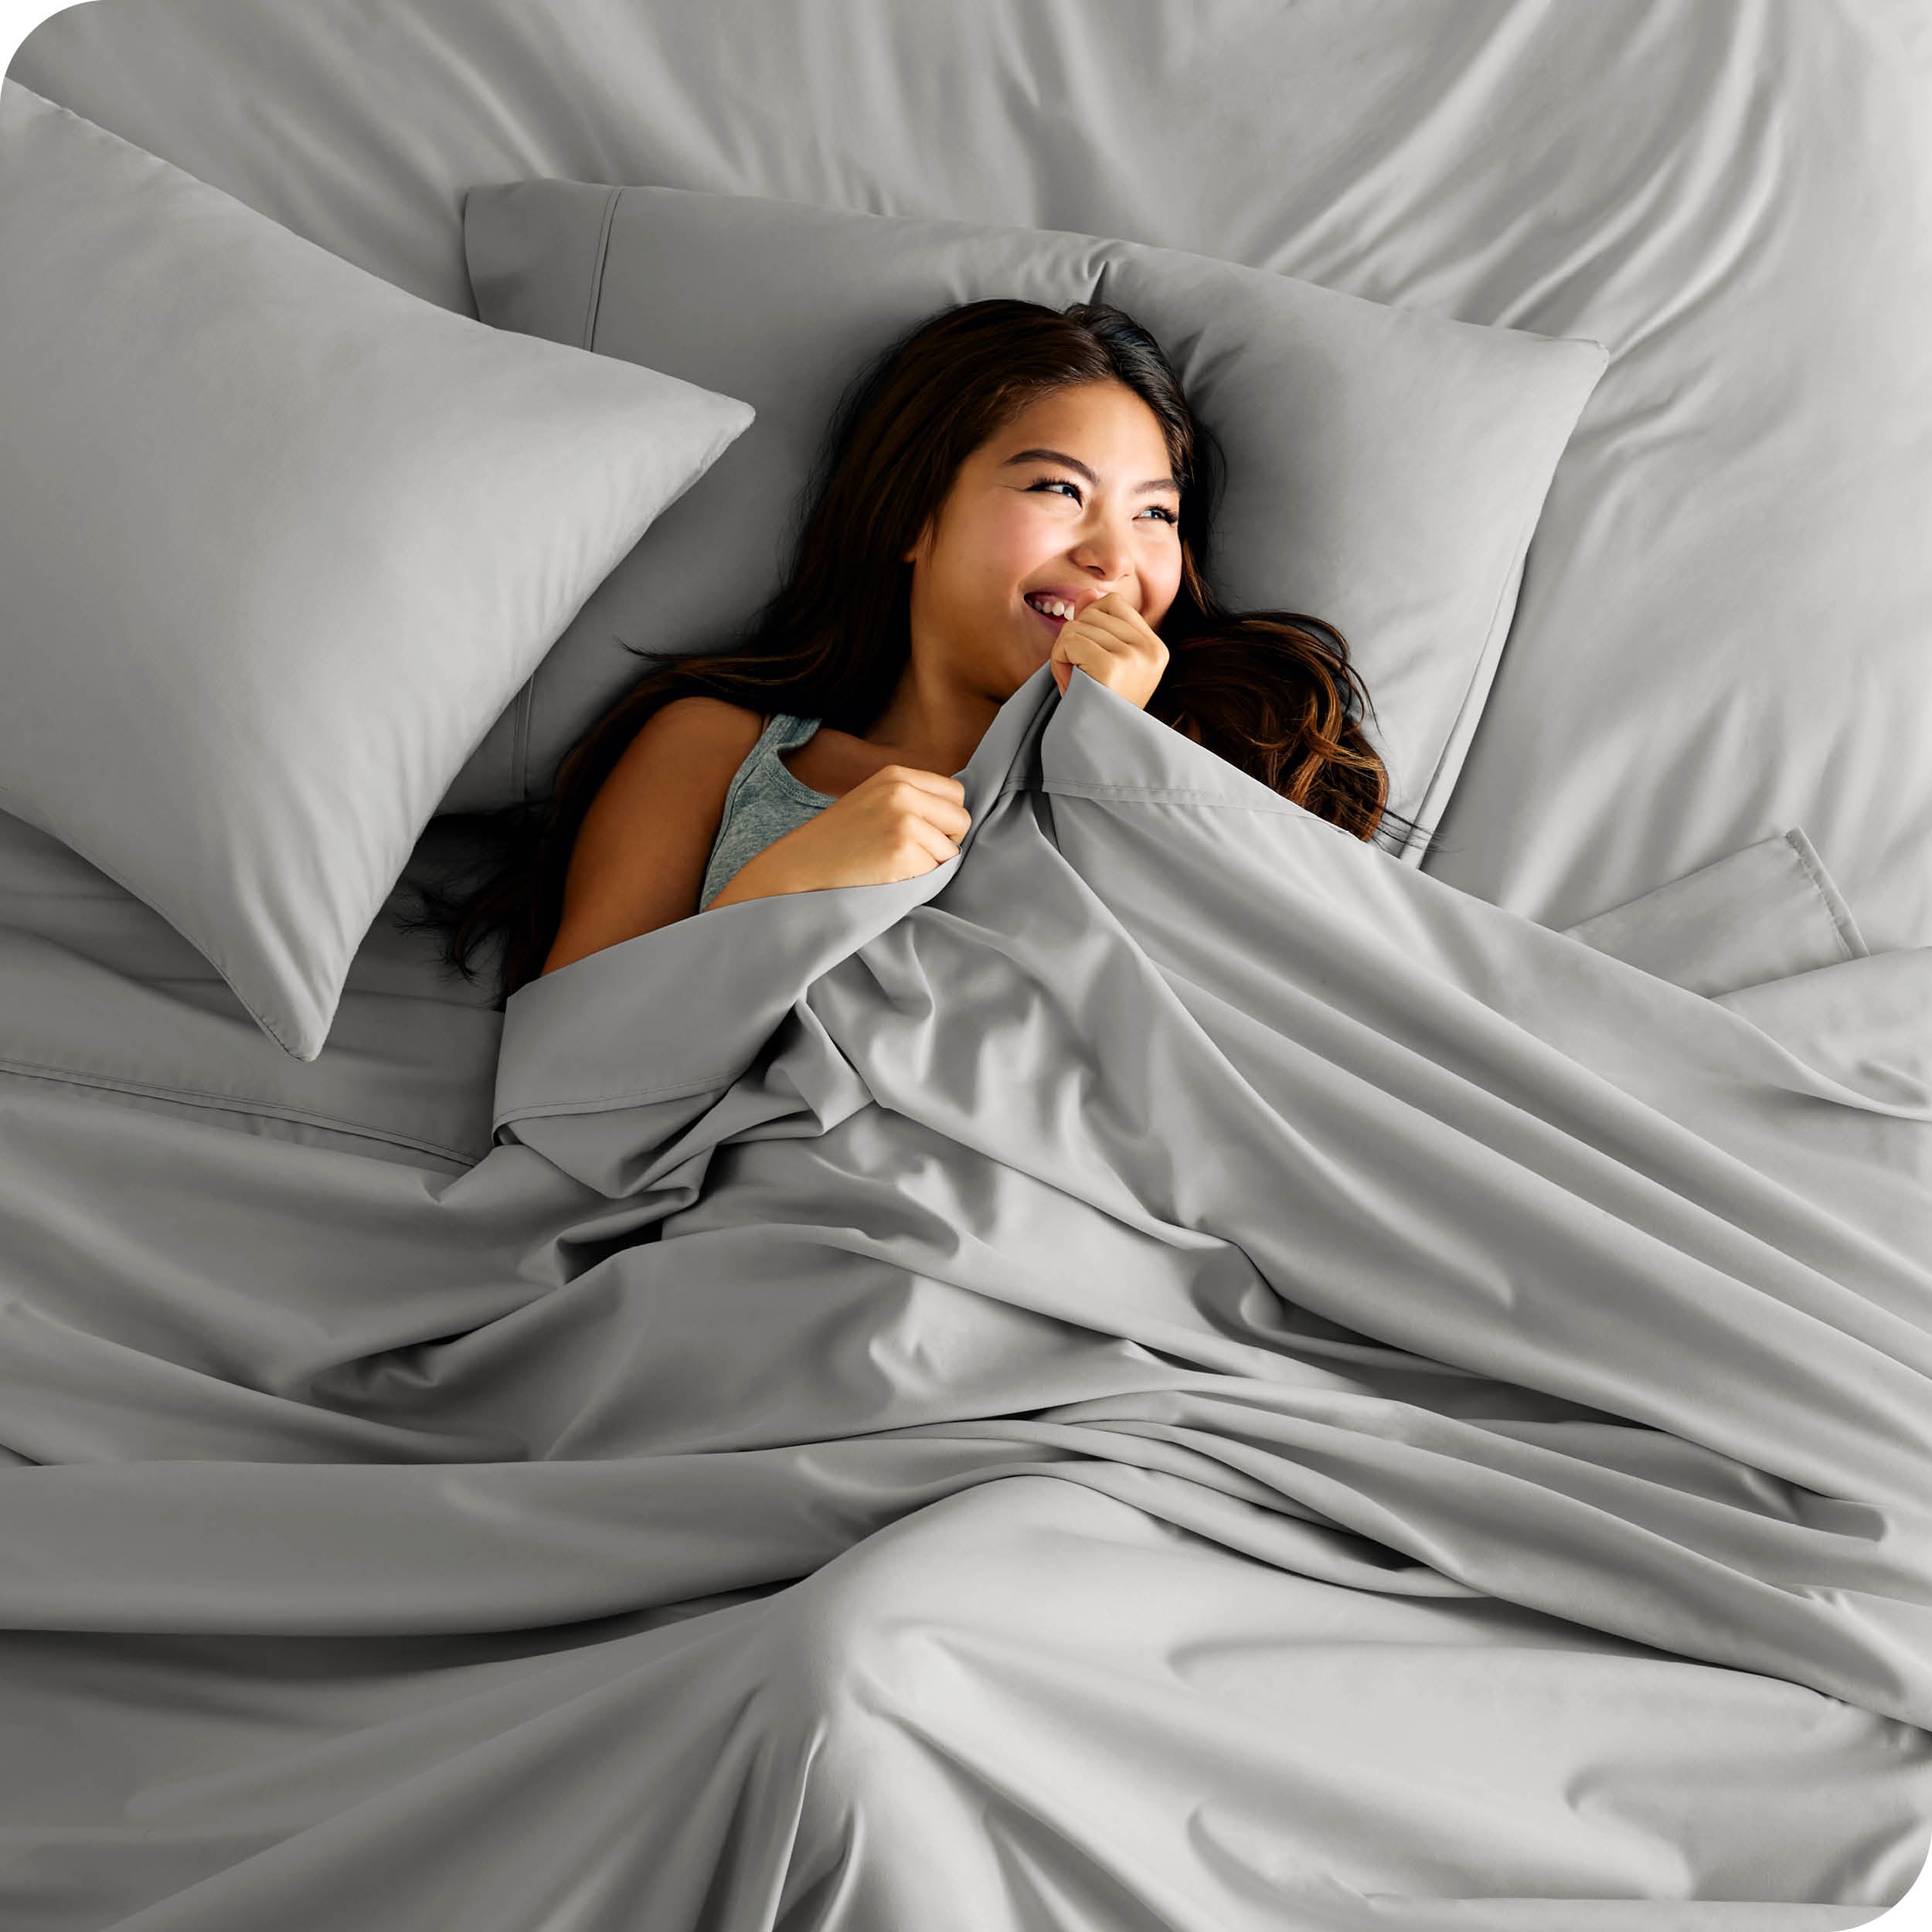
(279, 541)
(1385, 469)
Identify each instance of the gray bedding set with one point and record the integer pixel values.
(1325, 1399)
(1173, 1372)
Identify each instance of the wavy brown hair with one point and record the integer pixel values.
(1272, 692)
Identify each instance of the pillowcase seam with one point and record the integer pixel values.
(1419, 849)
(1519, 555)
(526, 697)
(595, 304)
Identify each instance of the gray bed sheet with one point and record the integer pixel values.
(1328, 1403)
(366, 1580)
(99, 993)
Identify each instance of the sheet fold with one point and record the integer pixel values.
(1169, 1140)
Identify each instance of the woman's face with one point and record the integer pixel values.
(1074, 498)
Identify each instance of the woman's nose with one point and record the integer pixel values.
(1104, 551)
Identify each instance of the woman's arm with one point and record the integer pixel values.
(900, 821)
(639, 859)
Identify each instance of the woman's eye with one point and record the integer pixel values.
(1061, 483)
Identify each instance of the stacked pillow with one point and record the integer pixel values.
(279, 542)
(1386, 469)
(286, 549)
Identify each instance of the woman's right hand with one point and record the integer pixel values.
(895, 825)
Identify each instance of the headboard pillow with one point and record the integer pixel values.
(1385, 468)
(279, 540)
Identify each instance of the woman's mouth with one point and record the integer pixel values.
(1046, 617)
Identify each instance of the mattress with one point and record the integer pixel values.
(1703, 756)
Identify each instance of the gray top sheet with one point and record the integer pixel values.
(1172, 1230)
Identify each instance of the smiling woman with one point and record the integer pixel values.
(1008, 485)
(1070, 512)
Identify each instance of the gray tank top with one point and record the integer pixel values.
(764, 803)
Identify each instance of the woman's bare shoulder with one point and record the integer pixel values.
(687, 740)
(638, 860)
(711, 720)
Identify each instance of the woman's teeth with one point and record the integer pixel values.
(1051, 606)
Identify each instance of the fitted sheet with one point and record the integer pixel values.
(1721, 632)
(98, 993)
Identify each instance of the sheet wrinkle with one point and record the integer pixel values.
(1694, 1558)
(874, 1083)
(1388, 1748)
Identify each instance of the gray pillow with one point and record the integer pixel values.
(1386, 469)
(278, 541)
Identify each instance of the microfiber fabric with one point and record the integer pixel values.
(1171, 1370)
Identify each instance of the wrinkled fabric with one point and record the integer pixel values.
(1170, 1371)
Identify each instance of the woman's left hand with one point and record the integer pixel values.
(1110, 641)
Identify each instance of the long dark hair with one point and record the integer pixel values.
(1272, 692)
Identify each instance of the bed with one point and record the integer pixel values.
(1181, 1370)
